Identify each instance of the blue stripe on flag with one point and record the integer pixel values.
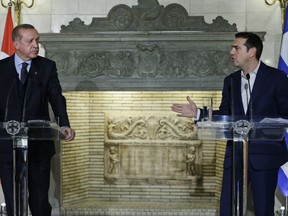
(282, 66)
(283, 182)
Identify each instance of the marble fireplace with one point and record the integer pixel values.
(120, 74)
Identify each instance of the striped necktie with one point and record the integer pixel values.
(24, 72)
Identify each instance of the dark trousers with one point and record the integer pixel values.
(263, 184)
(38, 187)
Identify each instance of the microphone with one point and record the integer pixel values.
(250, 102)
(231, 97)
(246, 90)
(25, 98)
(8, 99)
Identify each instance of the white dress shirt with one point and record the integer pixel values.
(245, 92)
(244, 89)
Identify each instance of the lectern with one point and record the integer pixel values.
(20, 133)
(240, 131)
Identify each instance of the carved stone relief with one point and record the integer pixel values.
(147, 61)
(154, 149)
(149, 15)
(143, 47)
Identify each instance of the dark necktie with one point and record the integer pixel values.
(24, 73)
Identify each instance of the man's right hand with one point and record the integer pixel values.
(185, 110)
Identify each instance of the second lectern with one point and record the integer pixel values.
(241, 131)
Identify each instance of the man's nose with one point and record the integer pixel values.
(35, 43)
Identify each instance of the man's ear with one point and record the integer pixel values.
(252, 51)
(16, 44)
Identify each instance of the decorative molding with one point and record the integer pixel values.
(150, 128)
(147, 61)
(145, 47)
(149, 15)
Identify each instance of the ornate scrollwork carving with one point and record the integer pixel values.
(122, 65)
(149, 15)
(77, 25)
(175, 64)
(174, 16)
(127, 128)
(153, 127)
(221, 25)
(93, 65)
(67, 62)
(147, 61)
(121, 16)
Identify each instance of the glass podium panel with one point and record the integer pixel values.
(241, 131)
(20, 133)
(223, 128)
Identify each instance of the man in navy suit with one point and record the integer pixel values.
(269, 98)
(29, 99)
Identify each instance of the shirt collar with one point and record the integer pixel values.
(253, 73)
(19, 61)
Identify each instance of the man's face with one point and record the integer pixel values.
(239, 54)
(28, 46)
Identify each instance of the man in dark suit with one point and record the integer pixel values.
(27, 98)
(269, 98)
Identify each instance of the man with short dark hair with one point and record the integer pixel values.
(269, 94)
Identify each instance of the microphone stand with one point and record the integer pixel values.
(8, 99)
(242, 152)
(20, 163)
(240, 162)
(250, 102)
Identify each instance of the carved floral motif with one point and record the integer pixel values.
(149, 60)
(149, 15)
(150, 128)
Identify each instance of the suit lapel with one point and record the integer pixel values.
(257, 88)
(31, 81)
(15, 80)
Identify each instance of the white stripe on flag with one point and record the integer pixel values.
(3, 55)
(285, 169)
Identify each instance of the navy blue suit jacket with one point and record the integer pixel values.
(42, 88)
(270, 99)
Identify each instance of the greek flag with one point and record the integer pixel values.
(283, 65)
